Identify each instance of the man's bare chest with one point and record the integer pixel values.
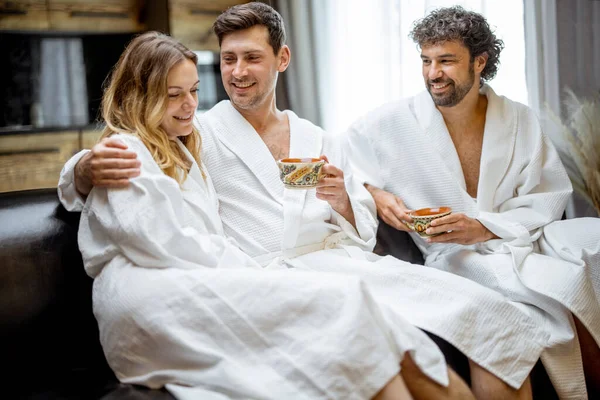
(278, 143)
(468, 149)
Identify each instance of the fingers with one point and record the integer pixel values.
(449, 237)
(112, 148)
(110, 174)
(113, 183)
(100, 151)
(329, 191)
(448, 219)
(434, 230)
(392, 220)
(327, 181)
(397, 216)
(328, 197)
(112, 165)
(324, 158)
(332, 170)
(115, 163)
(113, 142)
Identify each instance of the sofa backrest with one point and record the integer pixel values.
(399, 244)
(47, 327)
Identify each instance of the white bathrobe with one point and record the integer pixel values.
(289, 227)
(405, 148)
(280, 228)
(180, 305)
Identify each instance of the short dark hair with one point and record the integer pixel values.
(468, 27)
(246, 16)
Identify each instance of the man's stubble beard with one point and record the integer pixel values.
(252, 102)
(456, 95)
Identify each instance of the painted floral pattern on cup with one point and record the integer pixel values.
(300, 173)
(422, 219)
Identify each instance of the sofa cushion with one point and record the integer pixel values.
(48, 334)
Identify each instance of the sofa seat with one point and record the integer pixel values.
(48, 335)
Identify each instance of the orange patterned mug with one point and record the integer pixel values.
(300, 173)
(422, 219)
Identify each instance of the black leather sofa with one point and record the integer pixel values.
(48, 335)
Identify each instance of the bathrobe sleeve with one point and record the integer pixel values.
(67, 193)
(363, 156)
(149, 224)
(363, 206)
(539, 183)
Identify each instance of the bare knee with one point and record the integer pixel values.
(395, 389)
(486, 385)
(590, 353)
(422, 387)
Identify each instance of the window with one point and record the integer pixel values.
(373, 61)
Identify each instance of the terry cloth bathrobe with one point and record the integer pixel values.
(549, 269)
(179, 305)
(292, 228)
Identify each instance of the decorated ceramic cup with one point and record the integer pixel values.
(300, 173)
(422, 219)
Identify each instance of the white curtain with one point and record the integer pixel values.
(372, 61)
(306, 23)
(63, 90)
(563, 52)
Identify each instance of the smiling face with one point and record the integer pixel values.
(249, 68)
(182, 83)
(449, 73)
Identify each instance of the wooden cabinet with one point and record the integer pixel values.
(34, 160)
(24, 15)
(103, 16)
(191, 21)
(95, 16)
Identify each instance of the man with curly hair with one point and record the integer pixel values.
(460, 145)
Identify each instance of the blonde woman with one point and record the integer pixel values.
(179, 305)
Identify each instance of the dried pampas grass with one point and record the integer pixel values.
(581, 152)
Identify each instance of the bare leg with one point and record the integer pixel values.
(395, 390)
(487, 386)
(590, 354)
(422, 387)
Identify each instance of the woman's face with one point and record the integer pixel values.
(182, 83)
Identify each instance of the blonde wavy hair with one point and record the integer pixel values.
(136, 97)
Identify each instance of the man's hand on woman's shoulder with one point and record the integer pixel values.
(109, 164)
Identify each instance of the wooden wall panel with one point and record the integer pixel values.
(24, 15)
(89, 138)
(32, 161)
(191, 21)
(95, 16)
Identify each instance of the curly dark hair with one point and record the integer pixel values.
(468, 27)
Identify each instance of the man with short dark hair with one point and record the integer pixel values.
(462, 146)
